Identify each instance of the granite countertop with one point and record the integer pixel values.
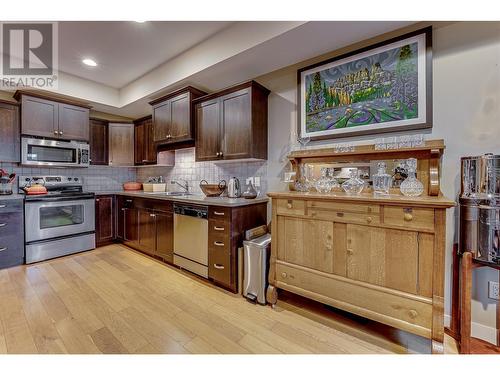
(11, 196)
(197, 199)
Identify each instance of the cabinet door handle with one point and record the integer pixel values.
(219, 228)
(61, 133)
(369, 219)
(289, 205)
(2, 224)
(217, 153)
(152, 215)
(350, 251)
(56, 132)
(2, 206)
(3, 248)
(218, 266)
(97, 200)
(218, 213)
(128, 200)
(218, 243)
(221, 154)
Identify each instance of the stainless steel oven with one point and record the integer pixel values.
(54, 153)
(52, 217)
(60, 222)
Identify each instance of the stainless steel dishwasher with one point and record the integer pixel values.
(191, 238)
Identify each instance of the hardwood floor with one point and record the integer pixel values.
(115, 300)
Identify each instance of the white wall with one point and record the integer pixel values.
(466, 92)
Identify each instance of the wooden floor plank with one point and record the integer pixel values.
(116, 300)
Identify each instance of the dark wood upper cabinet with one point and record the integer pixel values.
(9, 132)
(208, 130)
(145, 149)
(98, 142)
(48, 117)
(104, 220)
(232, 123)
(73, 122)
(173, 118)
(121, 144)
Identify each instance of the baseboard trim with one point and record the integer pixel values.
(480, 331)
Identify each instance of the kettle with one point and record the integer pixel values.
(234, 188)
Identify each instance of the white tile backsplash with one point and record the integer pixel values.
(187, 169)
(105, 178)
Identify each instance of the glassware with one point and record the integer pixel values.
(382, 181)
(411, 187)
(391, 143)
(404, 141)
(417, 140)
(380, 144)
(303, 142)
(325, 183)
(354, 185)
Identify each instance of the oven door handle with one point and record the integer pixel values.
(59, 199)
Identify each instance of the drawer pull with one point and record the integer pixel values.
(284, 275)
(218, 243)
(413, 314)
(218, 213)
(2, 224)
(3, 248)
(340, 214)
(219, 228)
(128, 200)
(289, 205)
(218, 266)
(408, 217)
(2, 206)
(369, 219)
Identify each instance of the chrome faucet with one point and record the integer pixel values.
(185, 186)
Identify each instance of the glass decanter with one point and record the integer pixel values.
(382, 181)
(411, 187)
(325, 183)
(354, 185)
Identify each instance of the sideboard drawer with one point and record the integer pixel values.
(345, 207)
(290, 207)
(344, 217)
(409, 217)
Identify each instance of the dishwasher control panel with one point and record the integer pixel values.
(194, 211)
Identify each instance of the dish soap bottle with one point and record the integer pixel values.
(382, 181)
(411, 187)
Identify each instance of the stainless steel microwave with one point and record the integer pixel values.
(45, 152)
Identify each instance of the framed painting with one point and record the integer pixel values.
(381, 88)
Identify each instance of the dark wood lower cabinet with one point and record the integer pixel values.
(165, 236)
(104, 220)
(147, 225)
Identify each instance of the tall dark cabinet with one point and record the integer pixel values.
(232, 124)
(145, 149)
(9, 132)
(99, 133)
(173, 118)
(104, 220)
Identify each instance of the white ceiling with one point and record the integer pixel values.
(126, 50)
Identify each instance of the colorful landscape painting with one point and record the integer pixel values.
(376, 89)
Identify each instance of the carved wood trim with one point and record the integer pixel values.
(434, 188)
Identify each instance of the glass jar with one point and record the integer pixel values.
(411, 186)
(354, 185)
(382, 181)
(325, 183)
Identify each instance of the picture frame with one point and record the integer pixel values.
(385, 87)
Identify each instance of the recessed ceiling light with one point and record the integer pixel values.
(140, 21)
(89, 62)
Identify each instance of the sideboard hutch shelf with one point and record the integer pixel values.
(378, 257)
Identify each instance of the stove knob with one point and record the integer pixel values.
(27, 179)
(76, 178)
(69, 179)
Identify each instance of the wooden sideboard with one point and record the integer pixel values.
(377, 257)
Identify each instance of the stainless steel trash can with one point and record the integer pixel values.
(255, 268)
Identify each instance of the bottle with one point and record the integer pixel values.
(382, 181)
(411, 187)
(250, 192)
(354, 185)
